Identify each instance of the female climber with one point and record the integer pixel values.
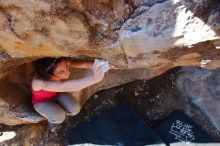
(50, 86)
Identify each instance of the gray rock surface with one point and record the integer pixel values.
(202, 88)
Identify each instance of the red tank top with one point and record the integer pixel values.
(42, 96)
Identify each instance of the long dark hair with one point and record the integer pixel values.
(43, 68)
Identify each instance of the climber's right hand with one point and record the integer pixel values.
(99, 69)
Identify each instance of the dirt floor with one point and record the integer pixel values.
(153, 100)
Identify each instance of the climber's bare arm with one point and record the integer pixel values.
(85, 64)
(99, 70)
(65, 86)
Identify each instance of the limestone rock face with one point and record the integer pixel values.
(172, 27)
(15, 97)
(143, 38)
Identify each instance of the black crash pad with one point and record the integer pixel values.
(179, 128)
(119, 126)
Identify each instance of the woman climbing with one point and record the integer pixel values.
(50, 86)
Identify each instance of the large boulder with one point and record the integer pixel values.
(143, 38)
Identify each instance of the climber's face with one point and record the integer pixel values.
(62, 71)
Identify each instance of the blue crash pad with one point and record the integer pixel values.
(119, 125)
(179, 128)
